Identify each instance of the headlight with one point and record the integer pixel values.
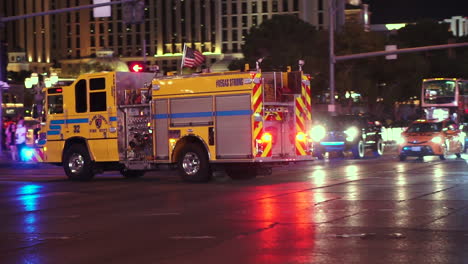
(437, 140)
(317, 133)
(351, 133)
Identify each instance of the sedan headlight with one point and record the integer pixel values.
(351, 133)
(437, 140)
(317, 133)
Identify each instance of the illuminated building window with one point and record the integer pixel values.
(274, 6)
(244, 21)
(254, 7)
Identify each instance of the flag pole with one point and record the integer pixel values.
(183, 58)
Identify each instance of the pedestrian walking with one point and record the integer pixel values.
(20, 138)
(11, 140)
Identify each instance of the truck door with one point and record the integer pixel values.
(101, 107)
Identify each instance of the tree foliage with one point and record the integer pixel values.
(284, 39)
(280, 41)
(403, 77)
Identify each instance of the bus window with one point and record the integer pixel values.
(463, 87)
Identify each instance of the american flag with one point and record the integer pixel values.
(193, 58)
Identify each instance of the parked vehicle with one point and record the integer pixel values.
(431, 138)
(354, 133)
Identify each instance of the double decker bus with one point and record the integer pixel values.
(445, 98)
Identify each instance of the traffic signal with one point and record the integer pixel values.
(136, 66)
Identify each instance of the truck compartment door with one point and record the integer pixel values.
(161, 129)
(233, 126)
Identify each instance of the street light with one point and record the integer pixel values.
(38, 84)
(28, 83)
(34, 78)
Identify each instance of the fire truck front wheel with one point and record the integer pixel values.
(193, 165)
(77, 163)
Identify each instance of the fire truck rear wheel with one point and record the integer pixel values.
(77, 163)
(193, 165)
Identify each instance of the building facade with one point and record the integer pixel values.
(458, 25)
(214, 27)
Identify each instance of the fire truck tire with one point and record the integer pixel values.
(77, 163)
(241, 173)
(193, 165)
(131, 174)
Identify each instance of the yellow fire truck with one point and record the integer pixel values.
(241, 122)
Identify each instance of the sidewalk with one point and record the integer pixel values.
(5, 156)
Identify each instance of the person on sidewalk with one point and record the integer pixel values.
(10, 140)
(20, 137)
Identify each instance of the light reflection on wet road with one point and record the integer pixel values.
(331, 211)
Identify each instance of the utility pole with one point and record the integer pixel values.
(2, 81)
(331, 40)
(333, 59)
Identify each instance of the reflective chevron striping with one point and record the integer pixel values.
(300, 126)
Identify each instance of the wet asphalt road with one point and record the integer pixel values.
(332, 211)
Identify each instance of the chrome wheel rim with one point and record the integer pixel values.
(76, 163)
(361, 149)
(380, 147)
(191, 163)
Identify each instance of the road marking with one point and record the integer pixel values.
(43, 238)
(161, 214)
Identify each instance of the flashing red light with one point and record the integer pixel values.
(59, 90)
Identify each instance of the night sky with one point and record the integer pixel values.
(397, 11)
